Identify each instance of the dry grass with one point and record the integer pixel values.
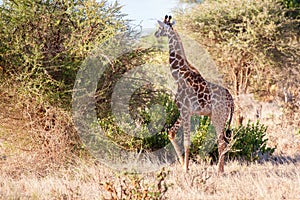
(254, 181)
(86, 181)
(37, 162)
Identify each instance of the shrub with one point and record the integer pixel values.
(152, 124)
(291, 3)
(252, 42)
(248, 143)
(134, 187)
(203, 139)
(44, 42)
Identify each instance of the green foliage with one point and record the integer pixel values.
(151, 108)
(291, 3)
(160, 139)
(293, 7)
(203, 140)
(249, 142)
(253, 42)
(154, 112)
(44, 42)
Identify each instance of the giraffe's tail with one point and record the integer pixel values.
(228, 130)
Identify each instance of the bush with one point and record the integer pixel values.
(147, 120)
(204, 138)
(292, 4)
(44, 42)
(152, 110)
(134, 187)
(248, 143)
(255, 43)
(293, 8)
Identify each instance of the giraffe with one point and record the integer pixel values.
(195, 96)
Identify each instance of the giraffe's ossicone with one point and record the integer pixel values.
(195, 96)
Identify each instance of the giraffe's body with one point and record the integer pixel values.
(195, 96)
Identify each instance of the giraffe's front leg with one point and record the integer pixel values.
(172, 134)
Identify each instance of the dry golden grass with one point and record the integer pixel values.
(37, 162)
(87, 181)
(254, 181)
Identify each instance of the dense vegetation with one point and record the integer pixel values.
(256, 43)
(43, 43)
(252, 41)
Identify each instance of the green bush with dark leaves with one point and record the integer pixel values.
(248, 142)
(154, 112)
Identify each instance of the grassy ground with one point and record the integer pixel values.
(89, 181)
(36, 163)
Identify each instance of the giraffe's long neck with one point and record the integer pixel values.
(179, 65)
(176, 50)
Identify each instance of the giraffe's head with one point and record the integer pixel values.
(164, 27)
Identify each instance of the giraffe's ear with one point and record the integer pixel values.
(161, 24)
(173, 23)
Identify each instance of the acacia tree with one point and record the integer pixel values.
(43, 42)
(254, 42)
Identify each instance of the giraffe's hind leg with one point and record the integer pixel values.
(219, 125)
(221, 152)
(172, 134)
